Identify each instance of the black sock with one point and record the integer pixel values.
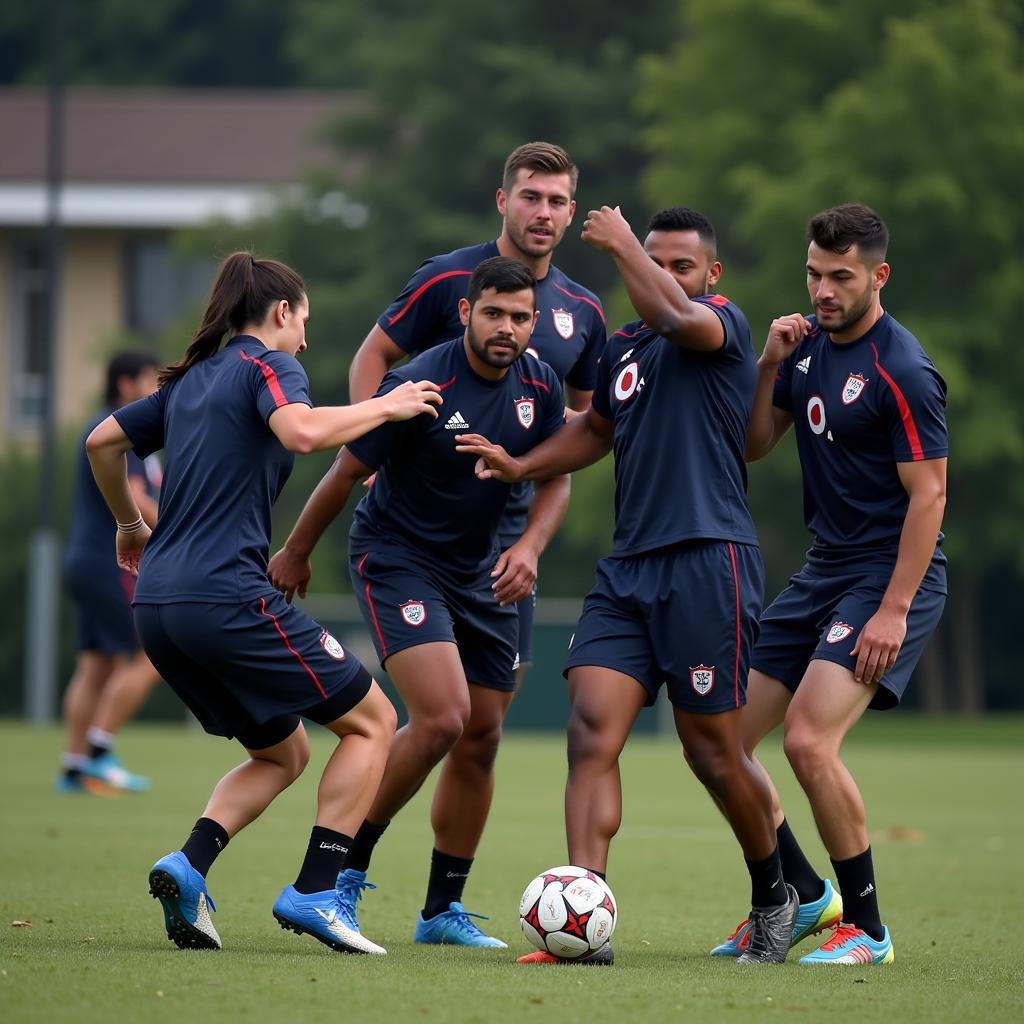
(361, 851)
(447, 880)
(325, 855)
(767, 888)
(95, 749)
(204, 845)
(600, 874)
(796, 868)
(856, 878)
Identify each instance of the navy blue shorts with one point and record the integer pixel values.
(250, 670)
(819, 617)
(103, 608)
(525, 607)
(407, 601)
(685, 616)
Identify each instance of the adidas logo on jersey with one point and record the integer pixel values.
(804, 365)
(456, 422)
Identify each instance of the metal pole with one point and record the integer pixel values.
(42, 631)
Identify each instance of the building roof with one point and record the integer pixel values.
(171, 136)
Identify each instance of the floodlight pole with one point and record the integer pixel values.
(42, 629)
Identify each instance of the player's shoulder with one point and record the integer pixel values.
(428, 363)
(464, 260)
(898, 351)
(724, 307)
(573, 291)
(533, 371)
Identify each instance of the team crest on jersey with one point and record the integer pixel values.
(565, 326)
(331, 646)
(414, 613)
(627, 380)
(839, 631)
(702, 679)
(853, 388)
(525, 412)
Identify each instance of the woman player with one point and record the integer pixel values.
(245, 662)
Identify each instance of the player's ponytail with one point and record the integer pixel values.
(246, 287)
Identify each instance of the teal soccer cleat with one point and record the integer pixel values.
(453, 927)
(182, 893)
(850, 945)
(107, 768)
(326, 917)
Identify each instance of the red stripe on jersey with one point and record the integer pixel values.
(446, 384)
(287, 643)
(626, 334)
(736, 588)
(716, 300)
(913, 438)
(362, 562)
(536, 383)
(422, 288)
(583, 298)
(271, 378)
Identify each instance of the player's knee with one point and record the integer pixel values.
(440, 732)
(385, 722)
(806, 752)
(585, 738)
(714, 767)
(481, 746)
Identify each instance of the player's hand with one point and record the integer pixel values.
(878, 645)
(289, 573)
(411, 399)
(785, 333)
(368, 482)
(493, 462)
(129, 548)
(606, 229)
(516, 572)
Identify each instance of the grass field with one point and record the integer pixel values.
(945, 802)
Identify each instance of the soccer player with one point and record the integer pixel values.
(676, 601)
(246, 663)
(112, 674)
(437, 593)
(868, 409)
(536, 204)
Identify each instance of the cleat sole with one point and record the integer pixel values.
(164, 888)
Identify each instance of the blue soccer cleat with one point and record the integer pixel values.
(816, 916)
(107, 768)
(453, 927)
(326, 917)
(350, 887)
(76, 784)
(851, 945)
(182, 893)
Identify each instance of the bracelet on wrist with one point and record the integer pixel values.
(130, 527)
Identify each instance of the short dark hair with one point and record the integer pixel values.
(131, 364)
(503, 274)
(842, 227)
(544, 157)
(682, 218)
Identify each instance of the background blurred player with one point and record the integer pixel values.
(869, 412)
(677, 600)
(536, 204)
(436, 591)
(244, 661)
(112, 674)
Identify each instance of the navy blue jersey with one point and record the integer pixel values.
(426, 494)
(93, 530)
(680, 431)
(858, 409)
(224, 470)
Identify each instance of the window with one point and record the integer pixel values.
(27, 381)
(160, 284)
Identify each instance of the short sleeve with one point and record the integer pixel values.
(915, 412)
(374, 447)
(583, 375)
(737, 344)
(426, 312)
(136, 467)
(143, 422)
(279, 380)
(782, 397)
(602, 382)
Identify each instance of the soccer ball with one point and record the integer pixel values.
(568, 912)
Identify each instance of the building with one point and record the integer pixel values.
(138, 166)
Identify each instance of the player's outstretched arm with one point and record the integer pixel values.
(107, 447)
(882, 636)
(515, 572)
(584, 440)
(303, 429)
(374, 357)
(767, 422)
(655, 294)
(289, 570)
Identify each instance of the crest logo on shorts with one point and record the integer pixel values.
(838, 631)
(413, 613)
(525, 412)
(852, 389)
(564, 323)
(331, 646)
(702, 679)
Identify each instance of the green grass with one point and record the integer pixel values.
(945, 807)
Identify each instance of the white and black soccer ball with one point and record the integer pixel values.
(568, 912)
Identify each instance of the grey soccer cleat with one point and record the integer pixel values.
(771, 930)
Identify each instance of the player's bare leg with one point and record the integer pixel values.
(130, 683)
(82, 697)
(604, 706)
(465, 788)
